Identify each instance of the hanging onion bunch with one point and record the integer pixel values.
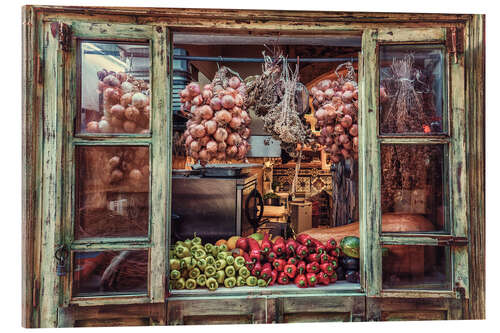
(126, 104)
(126, 166)
(217, 128)
(336, 104)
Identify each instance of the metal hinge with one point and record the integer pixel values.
(63, 33)
(453, 241)
(455, 41)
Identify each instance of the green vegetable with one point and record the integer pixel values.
(180, 284)
(181, 251)
(187, 243)
(196, 240)
(190, 284)
(244, 272)
(175, 264)
(230, 271)
(210, 260)
(212, 284)
(261, 283)
(230, 282)
(210, 271)
(215, 251)
(188, 263)
(222, 248)
(200, 254)
(220, 276)
(202, 263)
(230, 260)
(175, 274)
(350, 246)
(220, 264)
(240, 281)
(208, 247)
(251, 281)
(257, 236)
(239, 262)
(193, 274)
(201, 280)
(179, 243)
(222, 255)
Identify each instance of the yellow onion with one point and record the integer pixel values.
(211, 127)
(324, 84)
(235, 122)
(354, 130)
(223, 116)
(231, 151)
(197, 100)
(204, 140)
(204, 155)
(117, 111)
(206, 112)
(221, 134)
(132, 113)
(139, 100)
(212, 146)
(105, 126)
(346, 121)
(234, 82)
(245, 134)
(227, 101)
(221, 146)
(199, 131)
(194, 89)
(215, 104)
(233, 139)
(348, 86)
(194, 146)
(129, 126)
(93, 127)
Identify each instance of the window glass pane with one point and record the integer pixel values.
(413, 187)
(416, 267)
(114, 88)
(412, 89)
(112, 191)
(103, 273)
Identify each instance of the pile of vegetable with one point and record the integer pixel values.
(217, 128)
(196, 265)
(126, 104)
(128, 165)
(336, 105)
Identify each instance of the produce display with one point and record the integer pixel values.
(257, 260)
(217, 128)
(126, 104)
(336, 104)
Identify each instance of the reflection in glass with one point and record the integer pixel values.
(115, 92)
(412, 183)
(416, 267)
(411, 89)
(112, 191)
(110, 272)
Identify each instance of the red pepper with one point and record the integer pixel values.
(266, 244)
(334, 263)
(271, 256)
(319, 247)
(257, 269)
(301, 281)
(327, 268)
(313, 257)
(325, 258)
(333, 277)
(274, 276)
(304, 239)
(331, 244)
(242, 243)
(302, 251)
(291, 247)
(292, 261)
(312, 267)
(265, 274)
(282, 278)
(311, 249)
(301, 267)
(323, 278)
(254, 250)
(249, 264)
(279, 264)
(279, 246)
(290, 270)
(336, 252)
(311, 279)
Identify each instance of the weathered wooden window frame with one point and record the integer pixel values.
(42, 172)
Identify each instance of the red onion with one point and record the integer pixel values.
(197, 100)
(242, 151)
(233, 139)
(204, 140)
(207, 86)
(211, 127)
(235, 122)
(324, 84)
(328, 141)
(335, 158)
(348, 86)
(93, 127)
(354, 130)
(189, 139)
(227, 101)
(204, 155)
(206, 112)
(231, 151)
(223, 116)
(116, 122)
(112, 95)
(199, 131)
(117, 111)
(221, 146)
(111, 81)
(129, 126)
(320, 114)
(215, 104)
(348, 145)
(245, 134)
(335, 149)
(343, 138)
(126, 99)
(355, 94)
(234, 82)
(139, 100)
(194, 89)
(238, 100)
(195, 146)
(184, 93)
(339, 129)
(345, 153)
(220, 135)
(206, 94)
(347, 96)
(132, 113)
(329, 93)
(221, 155)
(355, 141)
(212, 146)
(346, 122)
